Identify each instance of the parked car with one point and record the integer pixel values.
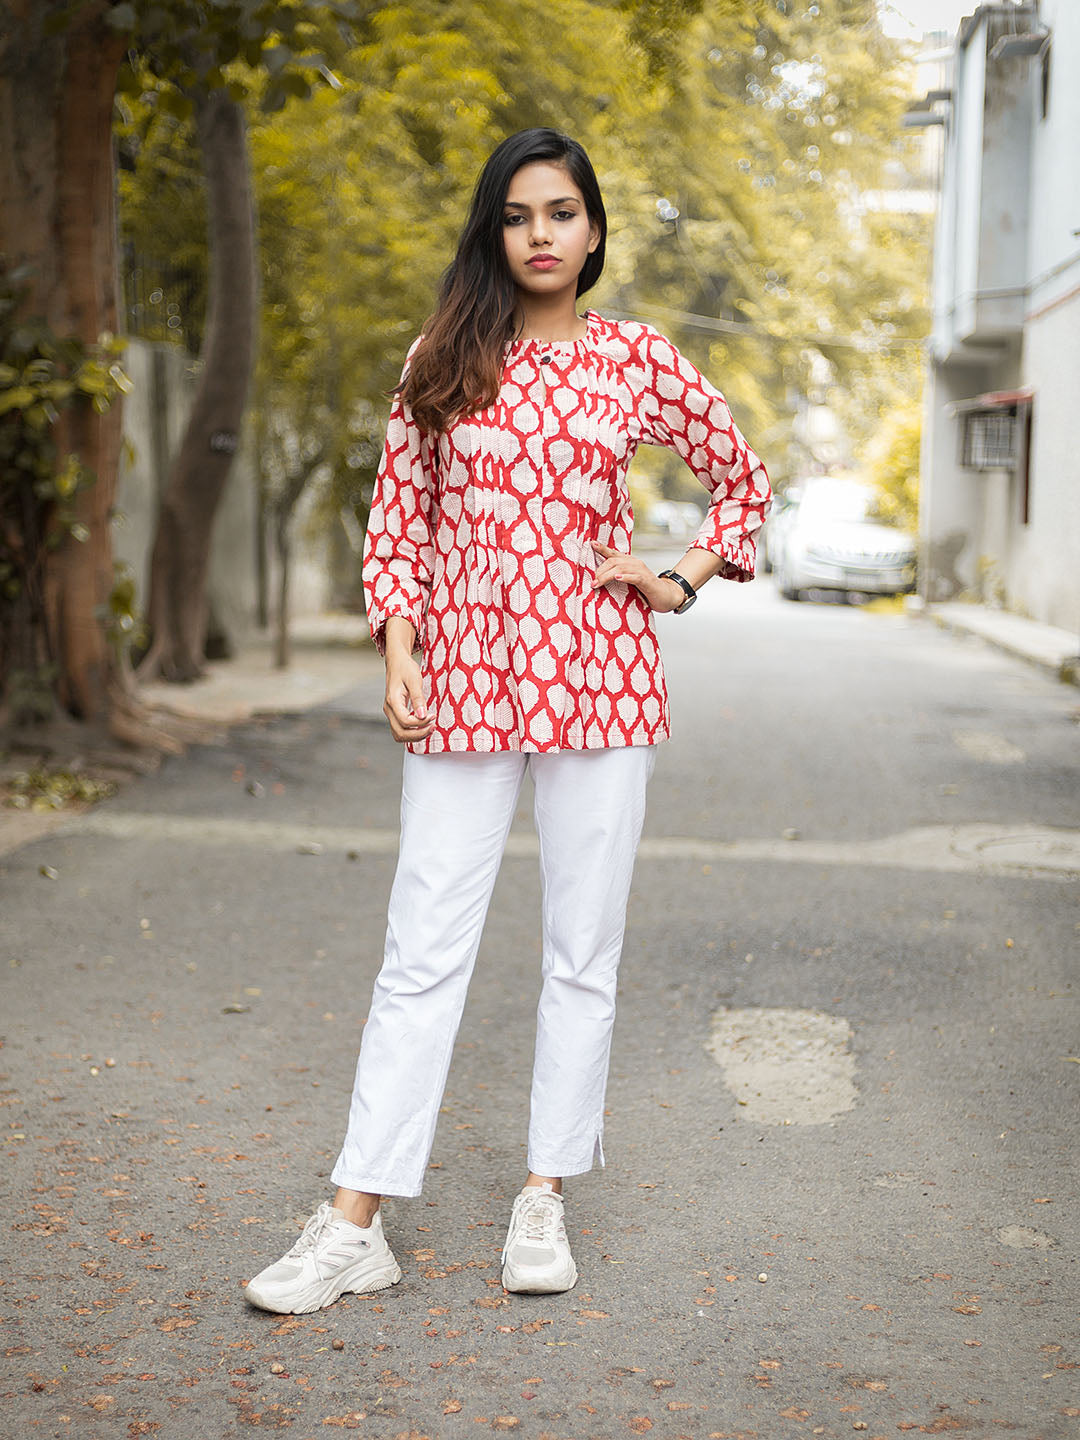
(830, 540)
(770, 541)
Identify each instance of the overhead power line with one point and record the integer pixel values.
(866, 343)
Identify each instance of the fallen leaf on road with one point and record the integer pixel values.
(176, 1322)
(639, 1424)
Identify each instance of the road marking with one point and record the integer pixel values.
(1050, 854)
(785, 1067)
(988, 748)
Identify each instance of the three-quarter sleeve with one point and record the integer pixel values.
(681, 410)
(398, 548)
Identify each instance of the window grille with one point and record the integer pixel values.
(990, 440)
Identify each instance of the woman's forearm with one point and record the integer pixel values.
(697, 566)
(400, 637)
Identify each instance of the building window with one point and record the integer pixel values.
(989, 440)
(995, 434)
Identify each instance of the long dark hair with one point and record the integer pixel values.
(457, 367)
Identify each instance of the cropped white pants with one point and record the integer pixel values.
(456, 810)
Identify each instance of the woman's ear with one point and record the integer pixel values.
(594, 237)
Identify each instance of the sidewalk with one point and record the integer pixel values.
(330, 654)
(1047, 646)
(331, 657)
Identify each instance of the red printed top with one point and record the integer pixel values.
(480, 537)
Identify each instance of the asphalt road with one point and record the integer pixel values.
(846, 1060)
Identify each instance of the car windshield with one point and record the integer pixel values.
(843, 500)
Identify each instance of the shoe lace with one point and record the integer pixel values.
(312, 1231)
(539, 1218)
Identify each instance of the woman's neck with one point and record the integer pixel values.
(540, 318)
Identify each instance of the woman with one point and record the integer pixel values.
(498, 546)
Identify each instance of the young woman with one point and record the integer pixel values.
(498, 547)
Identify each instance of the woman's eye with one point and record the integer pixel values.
(511, 219)
(565, 214)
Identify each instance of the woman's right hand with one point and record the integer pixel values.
(404, 706)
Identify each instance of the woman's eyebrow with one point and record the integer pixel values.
(562, 200)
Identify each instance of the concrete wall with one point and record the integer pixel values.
(1043, 578)
(155, 414)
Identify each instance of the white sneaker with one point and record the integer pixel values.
(331, 1256)
(536, 1256)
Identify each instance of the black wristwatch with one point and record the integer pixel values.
(691, 593)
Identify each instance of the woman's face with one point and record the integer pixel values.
(546, 229)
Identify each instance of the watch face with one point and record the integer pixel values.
(690, 600)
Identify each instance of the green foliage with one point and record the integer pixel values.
(43, 789)
(268, 49)
(162, 191)
(892, 464)
(777, 256)
(764, 125)
(361, 194)
(41, 375)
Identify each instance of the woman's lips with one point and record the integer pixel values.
(544, 262)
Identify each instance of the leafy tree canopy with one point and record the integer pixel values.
(737, 145)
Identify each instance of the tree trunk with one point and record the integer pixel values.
(262, 516)
(282, 652)
(177, 609)
(58, 211)
(283, 509)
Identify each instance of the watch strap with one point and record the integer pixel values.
(684, 584)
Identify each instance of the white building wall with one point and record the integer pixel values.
(1043, 578)
(1010, 219)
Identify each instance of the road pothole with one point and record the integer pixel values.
(785, 1067)
(1023, 1237)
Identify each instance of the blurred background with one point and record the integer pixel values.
(768, 209)
(857, 217)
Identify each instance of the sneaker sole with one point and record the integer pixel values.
(318, 1297)
(539, 1284)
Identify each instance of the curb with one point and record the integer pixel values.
(1064, 668)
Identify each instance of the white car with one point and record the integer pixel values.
(829, 541)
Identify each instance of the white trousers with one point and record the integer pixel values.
(456, 811)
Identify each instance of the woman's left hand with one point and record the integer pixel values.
(661, 594)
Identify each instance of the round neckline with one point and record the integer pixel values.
(590, 317)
